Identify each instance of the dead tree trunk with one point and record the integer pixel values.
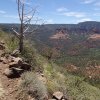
(21, 29)
(21, 44)
(25, 14)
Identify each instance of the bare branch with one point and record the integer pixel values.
(19, 6)
(26, 29)
(16, 33)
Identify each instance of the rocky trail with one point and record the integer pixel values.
(11, 68)
(8, 86)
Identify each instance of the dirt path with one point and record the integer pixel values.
(8, 87)
(1, 89)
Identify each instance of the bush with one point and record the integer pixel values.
(11, 41)
(32, 86)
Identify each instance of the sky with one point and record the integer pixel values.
(54, 11)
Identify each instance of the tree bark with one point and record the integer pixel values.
(21, 38)
(21, 31)
(21, 44)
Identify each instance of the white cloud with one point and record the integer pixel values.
(84, 19)
(62, 9)
(11, 16)
(87, 1)
(2, 12)
(50, 21)
(74, 14)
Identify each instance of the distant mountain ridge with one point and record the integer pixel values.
(45, 31)
(88, 25)
(73, 33)
(73, 41)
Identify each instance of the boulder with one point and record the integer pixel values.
(15, 53)
(8, 72)
(3, 60)
(6, 59)
(26, 66)
(16, 62)
(13, 72)
(58, 95)
(13, 64)
(16, 66)
(17, 70)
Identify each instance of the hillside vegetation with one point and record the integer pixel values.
(57, 78)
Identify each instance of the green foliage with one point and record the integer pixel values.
(31, 55)
(93, 55)
(72, 86)
(94, 81)
(28, 52)
(10, 40)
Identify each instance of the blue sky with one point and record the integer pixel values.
(54, 11)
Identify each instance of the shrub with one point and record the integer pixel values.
(32, 86)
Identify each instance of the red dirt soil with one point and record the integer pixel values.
(10, 86)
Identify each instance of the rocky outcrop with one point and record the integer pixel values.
(16, 66)
(58, 96)
(19, 63)
(13, 72)
(15, 53)
(8, 72)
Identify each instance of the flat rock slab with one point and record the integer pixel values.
(58, 95)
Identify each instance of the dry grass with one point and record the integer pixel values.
(32, 86)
